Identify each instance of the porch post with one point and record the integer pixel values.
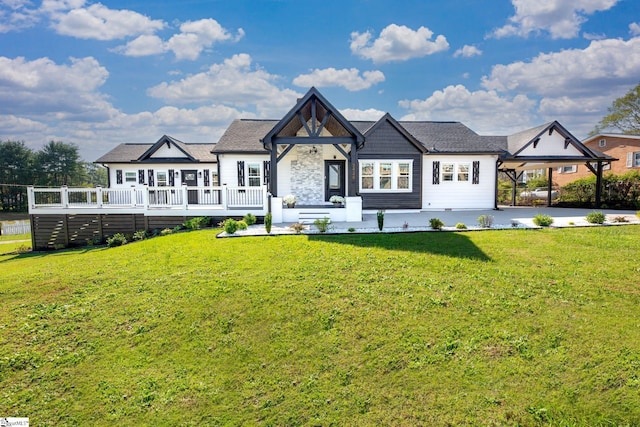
(549, 187)
(599, 184)
(273, 170)
(353, 170)
(495, 204)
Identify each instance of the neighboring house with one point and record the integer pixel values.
(626, 148)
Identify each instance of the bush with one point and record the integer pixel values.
(485, 221)
(140, 235)
(242, 225)
(166, 232)
(297, 227)
(250, 219)
(351, 229)
(595, 217)
(436, 224)
(230, 225)
(461, 226)
(197, 223)
(268, 220)
(322, 224)
(117, 239)
(542, 220)
(380, 217)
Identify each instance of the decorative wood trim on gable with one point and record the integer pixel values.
(165, 140)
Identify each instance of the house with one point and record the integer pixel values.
(619, 146)
(314, 152)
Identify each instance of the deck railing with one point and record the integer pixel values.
(145, 198)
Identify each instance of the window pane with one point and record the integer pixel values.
(403, 169)
(385, 182)
(367, 169)
(463, 172)
(385, 169)
(161, 177)
(447, 172)
(403, 182)
(254, 174)
(367, 183)
(334, 177)
(130, 177)
(214, 178)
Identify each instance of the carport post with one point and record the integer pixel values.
(549, 187)
(599, 185)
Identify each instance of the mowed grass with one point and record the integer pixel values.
(516, 327)
(14, 243)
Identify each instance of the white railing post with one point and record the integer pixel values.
(265, 199)
(185, 199)
(64, 196)
(133, 197)
(31, 197)
(223, 197)
(145, 197)
(99, 196)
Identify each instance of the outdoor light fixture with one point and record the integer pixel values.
(313, 150)
(200, 173)
(177, 173)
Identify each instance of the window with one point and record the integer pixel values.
(253, 170)
(161, 179)
(602, 143)
(130, 177)
(633, 159)
(386, 175)
(215, 179)
(568, 169)
(458, 172)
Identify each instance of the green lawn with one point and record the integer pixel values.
(14, 243)
(515, 327)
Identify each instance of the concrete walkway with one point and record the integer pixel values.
(407, 221)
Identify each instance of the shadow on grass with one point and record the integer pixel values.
(456, 245)
(10, 256)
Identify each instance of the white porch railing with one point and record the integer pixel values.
(144, 199)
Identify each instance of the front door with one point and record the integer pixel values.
(334, 178)
(190, 177)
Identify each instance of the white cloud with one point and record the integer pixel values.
(350, 78)
(397, 43)
(603, 66)
(467, 51)
(560, 18)
(16, 15)
(483, 111)
(41, 87)
(101, 23)
(194, 37)
(370, 114)
(634, 29)
(234, 82)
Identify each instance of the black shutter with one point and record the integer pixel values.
(171, 180)
(151, 180)
(266, 171)
(140, 176)
(436, 173)
(240, 173)
(476, 172)
(118, 176)
(206, 177)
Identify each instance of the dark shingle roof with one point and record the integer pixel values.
(132, 153)
(243, 136)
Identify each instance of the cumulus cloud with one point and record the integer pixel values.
(194, 37)
(603, 66)
(397, 43)
(467, 51)
(17, 15)
(234, 82)
(634, 29)
(560, 18)
(42, 87)
(370, 114)
(350, 78)
(483, 111)
(100, 23)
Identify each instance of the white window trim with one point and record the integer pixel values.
(602, 143)
(574, 169)
(158, 172)
(394, 176)
(126, 178)
(456, 171)
(633, 159)
(248, 177)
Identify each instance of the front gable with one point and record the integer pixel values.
(553, 140)
(166, 148)
(388, 137)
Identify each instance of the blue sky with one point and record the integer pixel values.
(97, 74)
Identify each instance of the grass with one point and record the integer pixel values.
(19, 243)
(382, 329)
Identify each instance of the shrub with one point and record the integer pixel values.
(230, 225)
(322, 224)
(461, 226)
(166, 232)
(250, 219)
(620, 219)
(117, 239)
(485, 221)
(595, 217)
(542, 220)
(140, 235)
(436, 224)
(380, 217)
(351, 229)
(268, 220)
(197, 223)
(297, 227)
(242, 225)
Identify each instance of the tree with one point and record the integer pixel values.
(624, 114)
(58, 163)
(16, 172)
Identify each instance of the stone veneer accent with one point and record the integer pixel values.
(307, 175)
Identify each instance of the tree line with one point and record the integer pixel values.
(56, 164)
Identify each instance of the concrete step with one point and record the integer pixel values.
(310, 217)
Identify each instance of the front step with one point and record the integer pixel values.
(310, 217)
